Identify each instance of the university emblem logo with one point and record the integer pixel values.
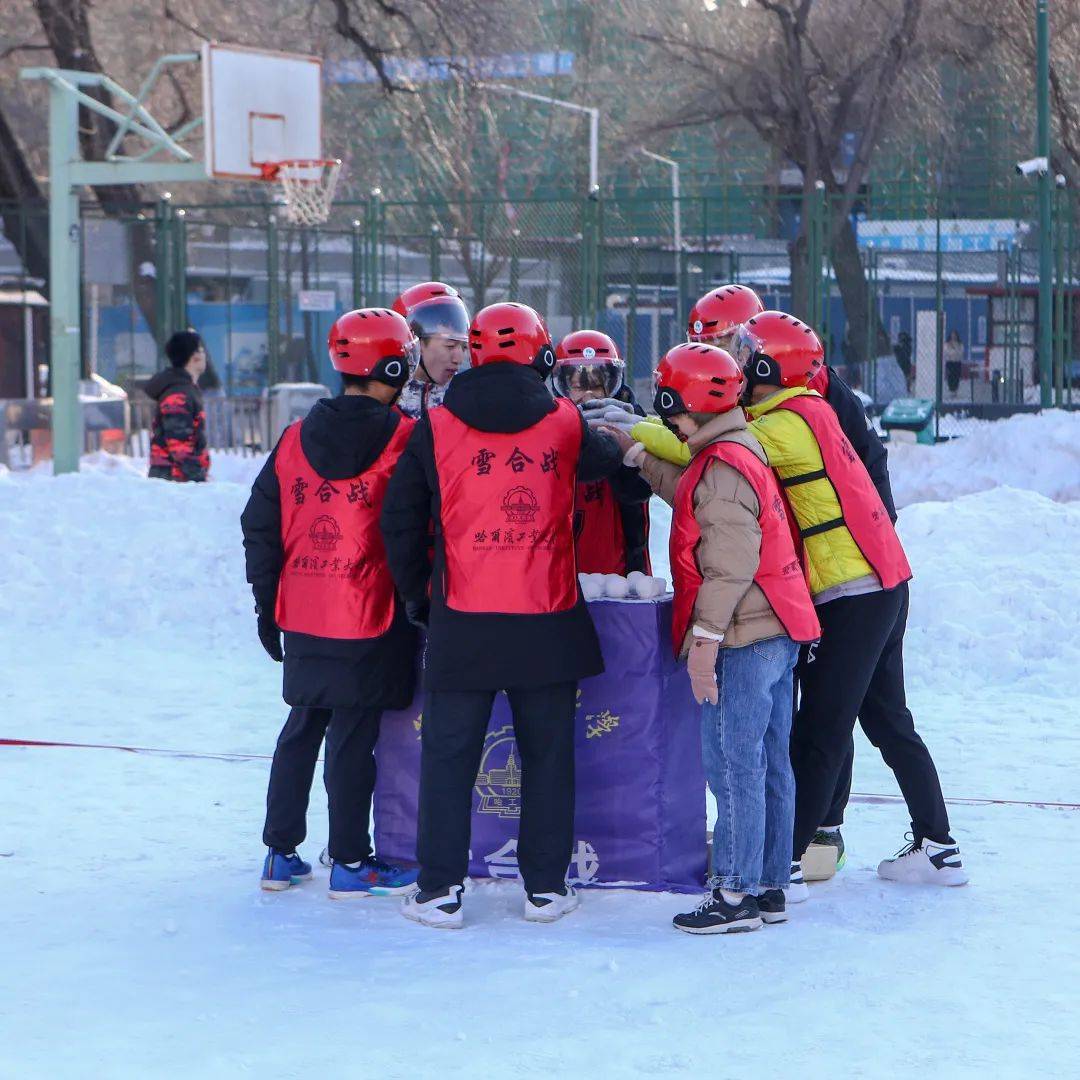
(698, 326)
(588, 353)
(499, 781)
(520, 506)
(325, 533)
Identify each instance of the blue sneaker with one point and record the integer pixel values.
(372, 877)
(281, 870)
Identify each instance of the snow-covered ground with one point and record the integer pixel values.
(136, 942)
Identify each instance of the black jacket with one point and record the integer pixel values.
(178, 437)
(863, 438)
(633, 494)
(340, 437)
(467, 650)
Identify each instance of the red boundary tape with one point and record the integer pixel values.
(860, 796)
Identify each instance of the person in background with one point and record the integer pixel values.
(438, 317)
(741, 609)
(318, 570)
(495, 467)
(178, 435)
(952, 353)
(611, 517)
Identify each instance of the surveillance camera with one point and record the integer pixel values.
(1036, 166)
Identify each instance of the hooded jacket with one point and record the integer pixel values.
(178, 436)
(340, 437)
(473, 650)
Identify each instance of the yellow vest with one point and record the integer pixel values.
(832, 558)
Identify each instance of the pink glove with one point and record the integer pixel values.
(701, 665)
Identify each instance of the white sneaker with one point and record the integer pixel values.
(442, 910)
(796, 892)
(550, 906)
(925, 864)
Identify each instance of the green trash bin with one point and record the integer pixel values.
(910, 414)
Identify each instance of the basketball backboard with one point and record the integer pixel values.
(259, 107)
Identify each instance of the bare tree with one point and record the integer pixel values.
(817, 82)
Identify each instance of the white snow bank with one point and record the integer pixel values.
(1034, 452)
(996, 598)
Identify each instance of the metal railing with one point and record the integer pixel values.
(940, 307)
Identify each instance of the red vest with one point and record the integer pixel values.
(335, 581)
(861, 507)
(600, 543)
(779, 574)
(507, 515)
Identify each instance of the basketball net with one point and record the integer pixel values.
(306, 187)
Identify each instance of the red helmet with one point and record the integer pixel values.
(697, 378)
(776, 349)
(373, 343)
(417, 294)
(588, 360)
(511, 333)
(721, 311)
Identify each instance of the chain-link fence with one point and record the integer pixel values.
(943, 308)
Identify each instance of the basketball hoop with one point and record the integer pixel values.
(307, 187)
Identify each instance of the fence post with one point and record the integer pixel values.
(163, 268)
(631, 325)
(706, 278)
(1059, 307)
(939, 321)
(434, 251)
(180, 306)
(515, 269)
(372, 277)
(357, 265)
(273, 303)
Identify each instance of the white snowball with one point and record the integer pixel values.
(592, 586)
(616, 586)
(635, 579)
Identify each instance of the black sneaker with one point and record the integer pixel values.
(773, 906)
(714, 915)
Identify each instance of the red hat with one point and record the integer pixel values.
(417, 294)
(721, 311)
(776, 349)
(511, 333)
(589, 351)
(373, 343)
(697, 378)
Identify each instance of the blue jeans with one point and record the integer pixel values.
(744, 745)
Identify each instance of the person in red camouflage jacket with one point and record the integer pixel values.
(178, 439)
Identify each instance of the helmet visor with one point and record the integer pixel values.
(745, 343)
(580, 382)
(443, 315)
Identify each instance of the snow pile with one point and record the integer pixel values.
(1035, 452)
(107, 555)
(996, 598)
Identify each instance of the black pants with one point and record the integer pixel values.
(842, 792)
(452, 743)
(349, 775)
(857, 671)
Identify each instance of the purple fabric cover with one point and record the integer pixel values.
(640, 818)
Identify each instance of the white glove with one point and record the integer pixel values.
(606, 403)
(611, 417)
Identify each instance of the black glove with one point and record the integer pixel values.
(270, 635)
(418, 612)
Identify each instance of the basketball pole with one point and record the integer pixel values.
(68, 172)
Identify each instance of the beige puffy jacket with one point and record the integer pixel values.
(728, 553)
